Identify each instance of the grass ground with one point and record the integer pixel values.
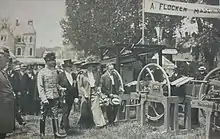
(124, 130)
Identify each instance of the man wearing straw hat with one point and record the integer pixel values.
(49, 93)
(111, 86)
(6, 96)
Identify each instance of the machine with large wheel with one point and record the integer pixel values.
(159, 101)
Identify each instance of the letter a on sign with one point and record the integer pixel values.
(152, 6)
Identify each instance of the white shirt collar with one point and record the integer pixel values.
(69, 77)
(112, 78)
(91, 79)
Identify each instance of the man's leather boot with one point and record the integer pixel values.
(42, 128)
(56, 129)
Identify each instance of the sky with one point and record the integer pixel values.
(45, 14)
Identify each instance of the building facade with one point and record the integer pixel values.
(20, 38)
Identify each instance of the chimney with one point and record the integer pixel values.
(30, 22)
(17, 22)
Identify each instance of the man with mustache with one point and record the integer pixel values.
(49, 93)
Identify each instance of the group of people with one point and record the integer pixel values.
(46, 88)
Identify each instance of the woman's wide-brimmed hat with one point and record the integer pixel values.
(90, 61)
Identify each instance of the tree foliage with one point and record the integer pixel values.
(91, 24)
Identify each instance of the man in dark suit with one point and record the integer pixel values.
(6, 96)
(67, 79)
(112, 87)
(15, 83)
(34, 90)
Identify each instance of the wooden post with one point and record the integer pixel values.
(189, 114)
(101, 58)
(143, 111)
(208, 124)
(175, 120)
(167, 114)
(118, 59)
(160, 57)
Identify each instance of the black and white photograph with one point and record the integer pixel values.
(109, 69)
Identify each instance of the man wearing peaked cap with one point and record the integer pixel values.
(49, 93)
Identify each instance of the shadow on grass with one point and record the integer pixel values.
(74, 132)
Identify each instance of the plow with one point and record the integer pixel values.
(159, 98)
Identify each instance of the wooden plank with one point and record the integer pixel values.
(167, 116)
(127, 113)
(125, 96)
(175, 119)
(202, 104)
(208, 124)
(143, 108)
(188, 115)
(138, 111)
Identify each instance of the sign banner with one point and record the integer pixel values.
(181, 9)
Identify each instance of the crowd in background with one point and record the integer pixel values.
(42, 89)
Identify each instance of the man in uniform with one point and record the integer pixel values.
(49, 93)
(6, 96)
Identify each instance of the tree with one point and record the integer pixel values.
(92, 24)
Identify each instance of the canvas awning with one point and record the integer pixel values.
(36, 60)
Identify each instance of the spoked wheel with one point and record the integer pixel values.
(153, 73)
(210, 91)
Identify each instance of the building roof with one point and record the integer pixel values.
(23, 29)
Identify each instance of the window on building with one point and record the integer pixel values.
(2, 37)
(19, 39)
(31, 51)
(18, 51)
(31, 39)
(5, 38)
(22, 39)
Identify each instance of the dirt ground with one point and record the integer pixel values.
(123, 130)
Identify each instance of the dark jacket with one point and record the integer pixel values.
(15, 80)
(72, 90)
(33, 86)
(6, 105)
(106, 84)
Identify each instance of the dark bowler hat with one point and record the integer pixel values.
(67, 63)
(48, 56)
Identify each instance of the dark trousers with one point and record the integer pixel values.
(2, 135)
(65, 117)
(18, 115)
(111, 112)
(36, 107)
(50, 109)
